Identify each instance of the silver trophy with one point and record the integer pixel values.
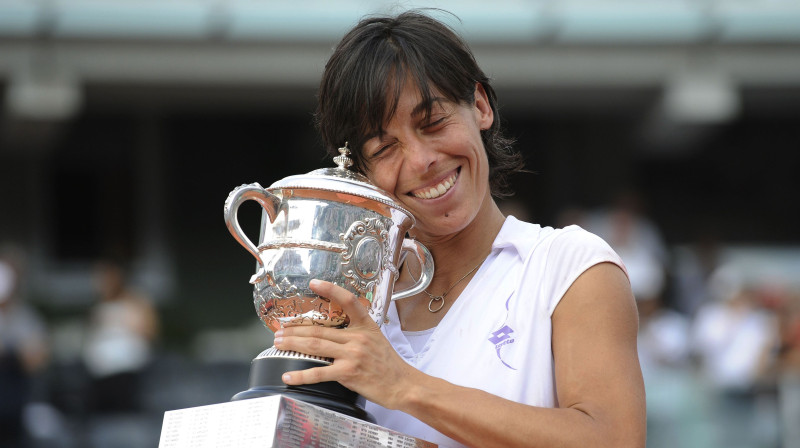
(330, 224)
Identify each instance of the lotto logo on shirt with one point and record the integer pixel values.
(501, 338)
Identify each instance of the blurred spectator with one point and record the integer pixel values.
(636, 239)
(789, 370)
(735, 340)
(663, 336)
(692, 272)
(674, 417)
(23, 353)
(122, 330)
(733, 336)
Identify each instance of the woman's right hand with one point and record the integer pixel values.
(364, 360)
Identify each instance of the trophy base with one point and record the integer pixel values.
(275, 422)
(265, 380)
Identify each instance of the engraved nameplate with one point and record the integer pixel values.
(278, 422)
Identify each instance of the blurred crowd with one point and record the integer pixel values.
(720, 352)
(23, 351)
(719, 349)
(119, 330)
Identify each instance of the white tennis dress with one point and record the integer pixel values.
(496, 336)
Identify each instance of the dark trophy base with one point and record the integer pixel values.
(265, 380)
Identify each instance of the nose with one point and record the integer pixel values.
(420, 155)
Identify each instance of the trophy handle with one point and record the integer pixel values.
(269, 202)
(425, 260)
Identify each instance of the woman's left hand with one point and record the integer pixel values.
(364, 361)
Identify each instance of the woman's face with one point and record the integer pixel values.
(436, 166)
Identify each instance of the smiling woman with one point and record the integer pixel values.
(365, 77)
(526, 335)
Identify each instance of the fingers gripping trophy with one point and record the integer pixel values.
(330, 224)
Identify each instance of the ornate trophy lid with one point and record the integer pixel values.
(340, 180)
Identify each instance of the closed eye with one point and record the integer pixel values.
(433, 125)
(382, 150)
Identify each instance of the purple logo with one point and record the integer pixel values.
(501, 335)
(500, 338)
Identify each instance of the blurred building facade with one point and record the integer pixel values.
(112, 109)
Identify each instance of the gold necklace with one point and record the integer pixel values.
(444, 294)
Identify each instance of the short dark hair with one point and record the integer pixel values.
(362, 81)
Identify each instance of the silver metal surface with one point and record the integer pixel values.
(276, 421)
(333, 225)
(303, 424)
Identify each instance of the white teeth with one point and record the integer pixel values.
(438, 190)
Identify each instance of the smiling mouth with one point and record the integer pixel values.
(437, 190)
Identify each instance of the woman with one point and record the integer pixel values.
(526, 335)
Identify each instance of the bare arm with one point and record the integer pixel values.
(599, 384)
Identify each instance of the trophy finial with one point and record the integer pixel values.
(342, 160)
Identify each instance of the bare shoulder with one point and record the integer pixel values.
(594, 348)
(601, 294)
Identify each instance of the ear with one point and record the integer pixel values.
(483, 108)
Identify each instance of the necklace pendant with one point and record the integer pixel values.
(439, 299)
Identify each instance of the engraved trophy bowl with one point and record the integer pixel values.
(330, 224)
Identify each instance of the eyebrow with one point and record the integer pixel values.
(418, 109)
(426, 105)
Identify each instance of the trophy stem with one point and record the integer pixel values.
(265, 380)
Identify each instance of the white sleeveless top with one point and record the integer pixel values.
(496, 336)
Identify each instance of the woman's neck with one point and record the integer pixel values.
(456, 259)
(455, 255)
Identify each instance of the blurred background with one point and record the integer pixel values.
(670, 128)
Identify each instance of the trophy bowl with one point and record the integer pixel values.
(331, 224)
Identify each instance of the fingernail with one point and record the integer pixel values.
(277, 341)
(286, 377)
(279, 333)
(313, 283)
